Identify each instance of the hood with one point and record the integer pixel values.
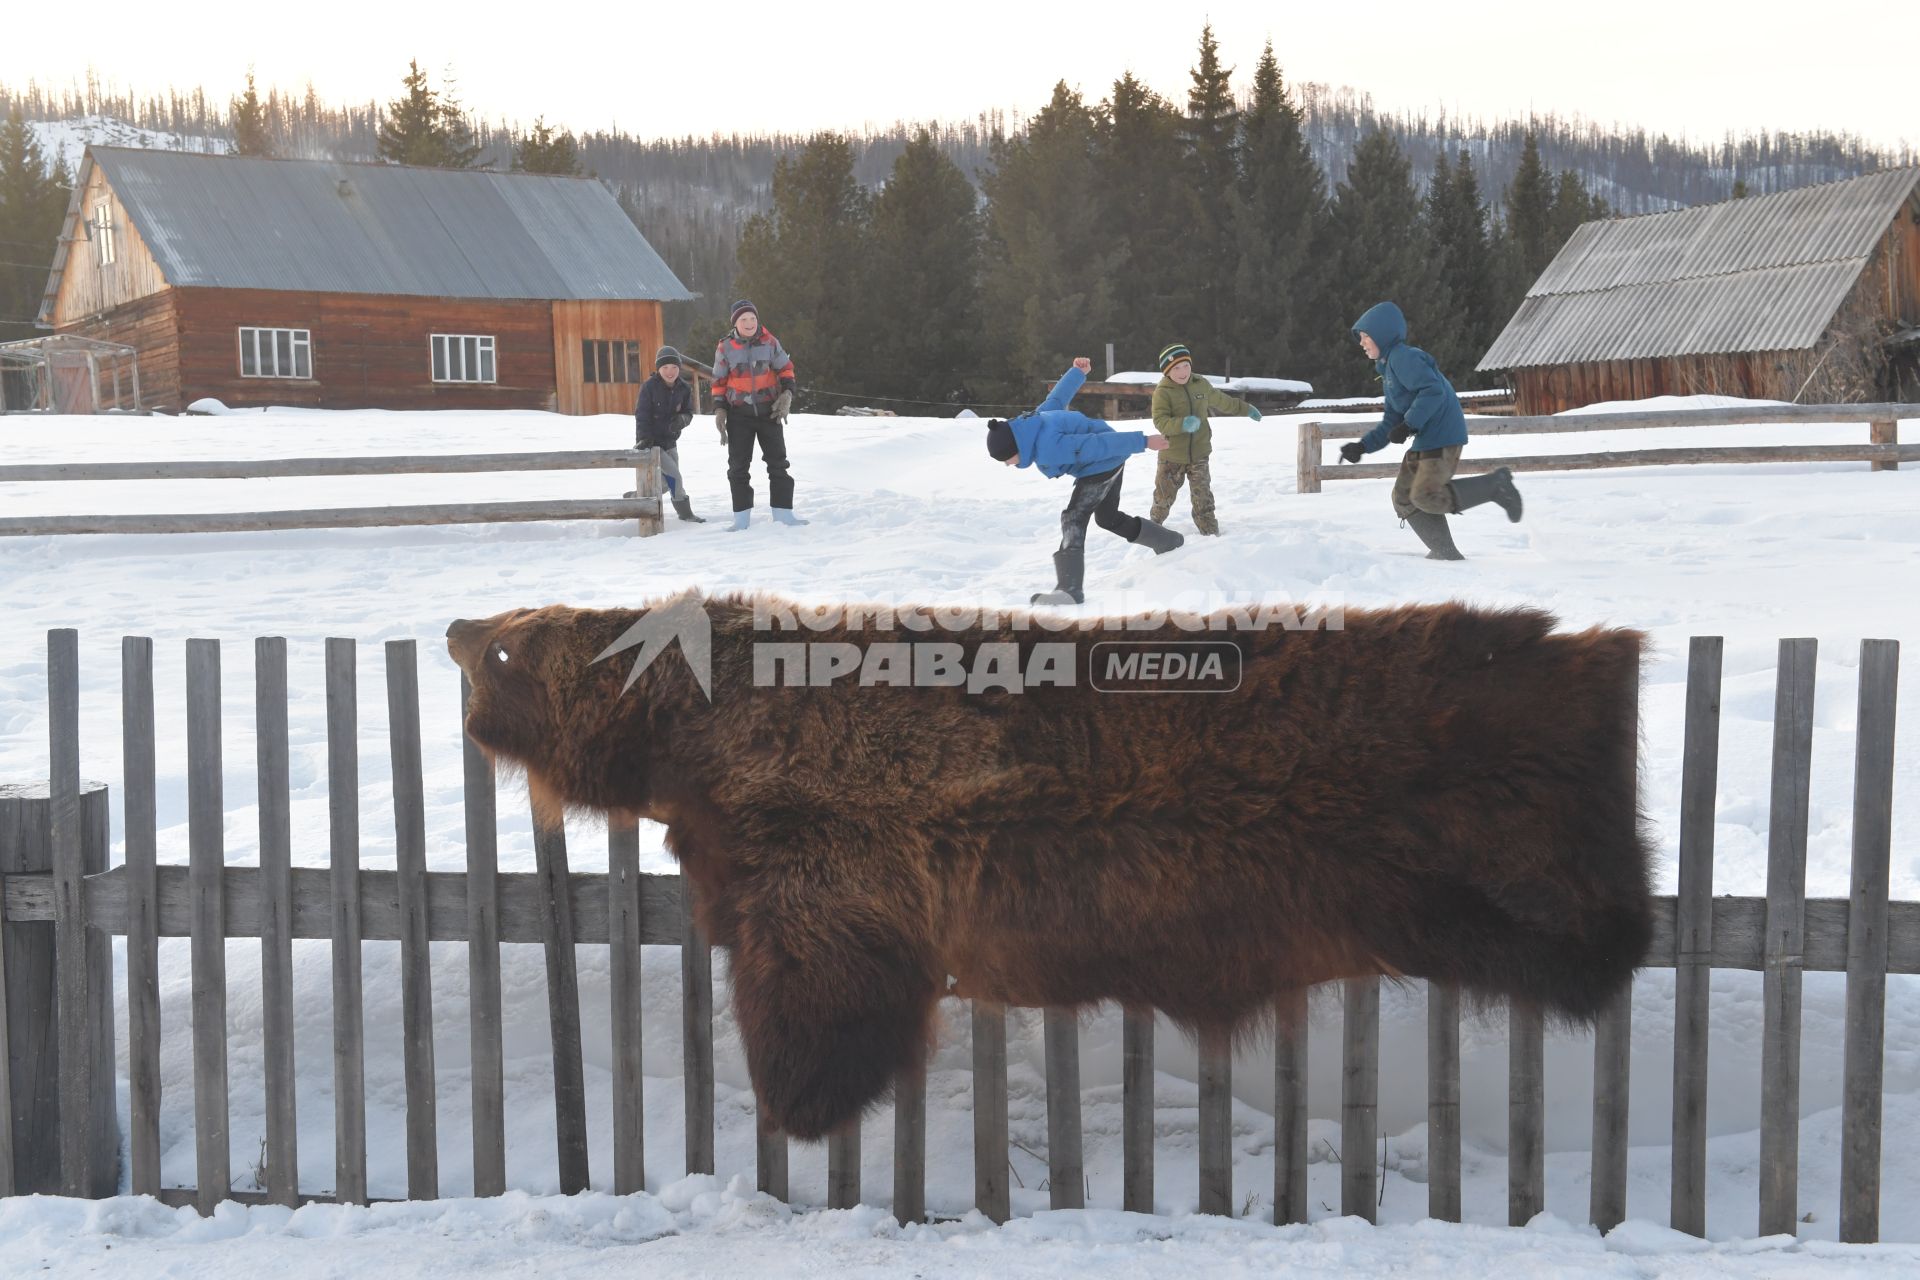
(1384, 324)
(1025, 428)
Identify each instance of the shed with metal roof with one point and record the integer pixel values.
(1797, 296)
(336, 284)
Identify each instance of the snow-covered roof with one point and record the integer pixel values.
(1763, 273)
(322, 226)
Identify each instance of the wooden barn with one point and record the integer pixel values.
(1810, 295)
(316, 283)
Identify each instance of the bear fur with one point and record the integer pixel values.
(1432, 791)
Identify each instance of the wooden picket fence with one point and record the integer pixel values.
(60, 901)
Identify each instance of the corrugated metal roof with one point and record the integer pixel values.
(1765, 273)
(328, 227)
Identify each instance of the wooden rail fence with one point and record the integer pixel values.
(1883, 448)
(59, 902)
(643, 507)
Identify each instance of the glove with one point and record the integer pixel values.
(782, 403)
(1351, 451)
(1400, 432)
(681, 422)
(1190, 424)
(1254, 413)
(720, 421)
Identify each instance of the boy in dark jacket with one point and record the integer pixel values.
(663, 411)
(1421, 403)
(1061, 442)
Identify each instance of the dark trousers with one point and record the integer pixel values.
(1096, 498)
(743, 429)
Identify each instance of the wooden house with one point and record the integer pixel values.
(1809, 296)
(316, 283)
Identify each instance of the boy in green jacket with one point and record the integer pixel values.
(1181, 404)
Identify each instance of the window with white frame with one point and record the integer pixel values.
(276, 353)
(462, 357)
(103, 231)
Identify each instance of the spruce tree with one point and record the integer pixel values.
(423, 127)
(1144, 211)
(1572, 205)
(544, 151)
(252, 125)
(802, 264)
(923, 278)
(1050, 270)
(1212, 132)
(1281, 204)
(1381, 250)
(33, 206)
(1458, 221)
(1530, 213)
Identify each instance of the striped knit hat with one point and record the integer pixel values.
(741, 308)
(665, 355)
(1173, 355)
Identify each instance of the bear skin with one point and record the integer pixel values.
(1431, 791)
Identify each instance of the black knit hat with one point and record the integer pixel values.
(665, 355)
(741, 308)
(1000, 442)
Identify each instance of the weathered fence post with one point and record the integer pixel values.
(696, 1035)
(29, 1037)
(1216, 1122)
(207, 886)
(1290, 1108)
(1786, 941)
(1526, 1113)
(991, 1194)
(1887, 432)
(647, 484)
(1066, 1173)
(1360, 1098)
(1136, 1111)
(910, 1145)
(1307, 458)
(1862, 1100)
(1693, 958)
(1443, 1102)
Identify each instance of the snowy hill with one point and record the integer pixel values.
(911, 509)
(68, 139)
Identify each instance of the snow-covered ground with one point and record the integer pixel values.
(911, 509)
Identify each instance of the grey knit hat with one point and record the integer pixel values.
(665, 355)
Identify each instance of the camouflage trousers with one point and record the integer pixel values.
(1166, 487)
(1425, 482)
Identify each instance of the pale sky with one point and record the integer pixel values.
(666, 70)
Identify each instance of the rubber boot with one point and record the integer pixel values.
(1433, 531)
(1157, 536)
(784, 515)
(683, 507)
(741, 519)
(1495, 486)
(1069, 571)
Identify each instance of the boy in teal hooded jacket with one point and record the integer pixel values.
(1058, 441)
(1421, 403)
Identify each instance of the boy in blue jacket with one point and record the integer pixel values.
(1421, 403)
(1062, 442)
